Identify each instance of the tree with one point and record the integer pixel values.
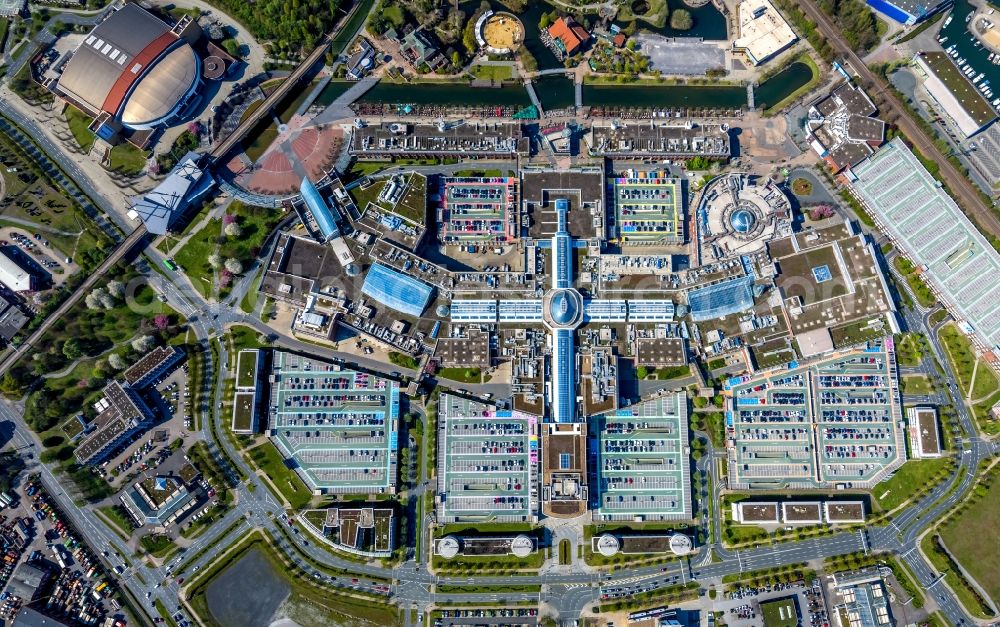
(117, 362)
(144, 343)
(107, 300)
(233, 230)
(642, 372)
(215, 260)
(116, 289)
(234, 265)
(93, 299)
(161, 321)
(73, 349)
(681, 19)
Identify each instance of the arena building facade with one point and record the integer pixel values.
(133, 70)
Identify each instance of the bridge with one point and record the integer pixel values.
(99, 273)
(264, 110)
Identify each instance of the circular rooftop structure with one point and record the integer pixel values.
(447, 547)
(742, 220)
(522, 546)
(443, 311)
(608, 545)
(500, 32)
(563, 308)
(680, 544)
(213, 68)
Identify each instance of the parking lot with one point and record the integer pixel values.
(745, 607)
(169, 399)
(680, 56)
(36, 248)
(832, 423)
(341, 426)
(487, 460)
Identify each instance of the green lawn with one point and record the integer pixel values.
(909, 349)
(288, 483)
(117, 515)
(916, 384)
(967, 596)
(78, 125)
(463, 375)
(964, 537)
(157, 545)
(255, 224)
(961, 355)
(127, 159)
(493, 72)
(908, 480)
(780, 613)
(923, 293)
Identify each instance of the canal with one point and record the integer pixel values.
(447, 93)
(664, 96)
(555, 92)
(782, 85)
(709, 23)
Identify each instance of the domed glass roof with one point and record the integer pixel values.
(562, 308)
(742, 220)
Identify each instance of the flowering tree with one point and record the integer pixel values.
(234, 265)
(161, 321)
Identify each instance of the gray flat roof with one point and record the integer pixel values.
(960, 264)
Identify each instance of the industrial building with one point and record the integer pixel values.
(121, 412)
(908, 11)
(762, 31)
(16, 278)
(487, 463)
(799, 427)
(910, 206)
(658, 140)
(954, 93)
(339, 427)
(642, 462)
(133, 70)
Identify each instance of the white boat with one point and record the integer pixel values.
(996, 102)
(992, 54)
(947, 21)
(943, 39)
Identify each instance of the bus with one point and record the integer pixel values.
(169, 263)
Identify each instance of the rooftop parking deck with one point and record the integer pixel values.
(487, 462)
(339, 426)
(648, 209)
(642, 466)
(833, 423)
(475, 210)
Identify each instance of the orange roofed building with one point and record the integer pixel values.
(568, 35)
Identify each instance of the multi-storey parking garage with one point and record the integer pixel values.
(835, 423)
(642, 466)
(648, 208)
(487, 462)
(478, 210)
(339, 426)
